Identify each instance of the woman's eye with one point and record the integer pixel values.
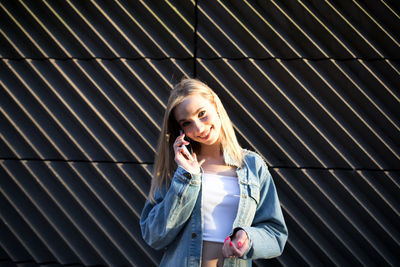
(202, 113)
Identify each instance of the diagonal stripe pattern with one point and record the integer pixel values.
(313, 86)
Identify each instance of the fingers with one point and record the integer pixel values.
(236, 251)
(201, 162)
(242, 242)
(179, 145)
(186, 153)
(226, 251)
(241, 237)
(229, 248)
(180, 141)
(237, 246)
(241, 248)
(183, 157)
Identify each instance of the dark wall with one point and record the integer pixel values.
(313, 86)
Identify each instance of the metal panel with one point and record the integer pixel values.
(84, 29)
(313, 86)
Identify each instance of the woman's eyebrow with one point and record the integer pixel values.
(197, 111)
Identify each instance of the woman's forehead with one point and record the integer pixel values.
(190, 106)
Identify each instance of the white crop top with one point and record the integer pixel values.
(220, 202)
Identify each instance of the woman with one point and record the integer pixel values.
(215, 206)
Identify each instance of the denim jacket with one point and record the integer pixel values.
(174, 222)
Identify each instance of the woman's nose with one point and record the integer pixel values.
(198, 127)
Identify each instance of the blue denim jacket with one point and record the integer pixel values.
(174, 222)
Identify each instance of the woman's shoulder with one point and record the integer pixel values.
(253, 159)
(256, 165)
(249, 155)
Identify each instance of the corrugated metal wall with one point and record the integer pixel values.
(313, 86)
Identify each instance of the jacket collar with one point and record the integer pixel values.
(229, 160)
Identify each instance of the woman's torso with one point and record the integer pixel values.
(212, 251)
(185, 250)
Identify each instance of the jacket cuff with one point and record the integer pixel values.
(186, 176)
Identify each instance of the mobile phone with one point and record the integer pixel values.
(186, 151)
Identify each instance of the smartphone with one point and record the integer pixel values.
(186, 151)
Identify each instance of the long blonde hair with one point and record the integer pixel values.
(165, 165)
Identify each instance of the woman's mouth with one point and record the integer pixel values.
(207, 135)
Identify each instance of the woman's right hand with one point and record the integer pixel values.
(191, 165)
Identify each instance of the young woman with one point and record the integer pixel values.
(216, 205)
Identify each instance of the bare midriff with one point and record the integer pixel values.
(212, 254)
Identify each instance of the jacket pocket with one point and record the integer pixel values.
(254, 192)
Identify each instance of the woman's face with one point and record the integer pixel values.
(199, 119)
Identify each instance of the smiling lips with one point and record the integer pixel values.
(206, 136)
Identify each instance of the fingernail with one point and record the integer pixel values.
(239, 244)
(226, 239)
(230, 244)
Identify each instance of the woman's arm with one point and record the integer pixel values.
(268, 233)
(161, 221)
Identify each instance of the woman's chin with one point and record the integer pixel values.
(211, 141)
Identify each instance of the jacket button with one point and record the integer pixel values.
(194, 235)
(187, 175)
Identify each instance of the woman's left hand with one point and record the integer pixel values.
(237, 246)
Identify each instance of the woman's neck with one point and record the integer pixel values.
(212, 151)
(214, 161)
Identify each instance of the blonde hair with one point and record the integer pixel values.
(165, 165)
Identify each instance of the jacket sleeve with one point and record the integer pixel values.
(268, 232)
(161, 221)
